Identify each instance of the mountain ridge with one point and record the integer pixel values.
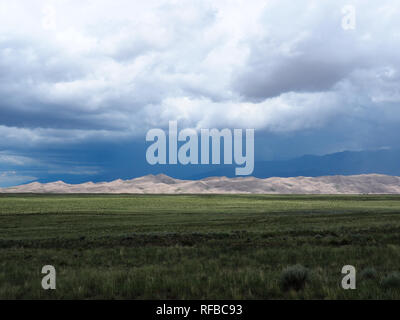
(163, 184)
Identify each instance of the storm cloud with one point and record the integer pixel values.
(82, 72)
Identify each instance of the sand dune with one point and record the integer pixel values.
(358, 184)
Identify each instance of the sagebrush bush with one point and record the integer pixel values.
(368, 273)
(392, 280)
(294, 277)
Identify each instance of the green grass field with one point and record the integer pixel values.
(198, 246)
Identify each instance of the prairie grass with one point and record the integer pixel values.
(198, 246)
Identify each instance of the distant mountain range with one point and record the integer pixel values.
(359, 184)
(343, 163)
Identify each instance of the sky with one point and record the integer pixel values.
(81, 82)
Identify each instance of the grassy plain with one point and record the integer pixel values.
(197, 246)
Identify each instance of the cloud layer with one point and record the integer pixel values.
(78, 71)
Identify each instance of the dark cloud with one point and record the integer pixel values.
(101, 76)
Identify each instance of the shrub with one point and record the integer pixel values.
(368, 273)
(294, 277)
(392, 280)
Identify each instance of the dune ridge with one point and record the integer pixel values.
(155, 184)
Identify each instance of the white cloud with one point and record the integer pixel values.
(12, 178)
(7, 158)
(108, 69)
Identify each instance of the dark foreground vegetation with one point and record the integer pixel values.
(199, 246)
